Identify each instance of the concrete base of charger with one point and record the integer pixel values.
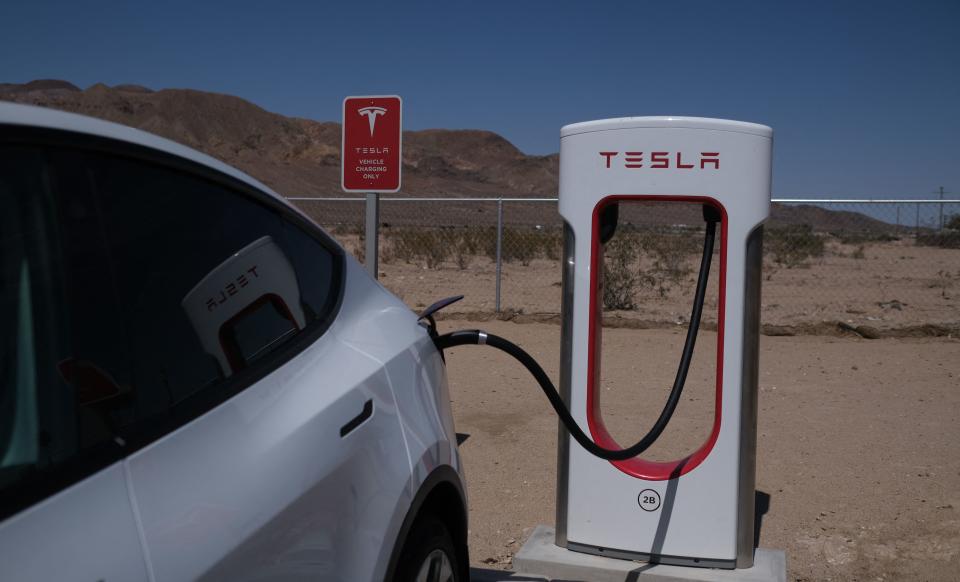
(540, 556)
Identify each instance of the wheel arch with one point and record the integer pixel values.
(441, 494)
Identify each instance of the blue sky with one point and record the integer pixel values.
(863, 96)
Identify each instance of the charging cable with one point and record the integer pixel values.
(478, 337)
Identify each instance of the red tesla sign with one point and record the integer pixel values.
(370, 155)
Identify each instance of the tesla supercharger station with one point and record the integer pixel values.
(697, 510)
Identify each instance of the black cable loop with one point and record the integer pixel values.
(470, 337)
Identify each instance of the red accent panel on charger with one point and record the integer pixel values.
(637, 467)
(371, 148)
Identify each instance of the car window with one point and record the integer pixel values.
(134, 297)
(209, 282)
(59, 364)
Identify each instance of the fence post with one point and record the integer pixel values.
(372, 233)
(499, 248)
(941, 210)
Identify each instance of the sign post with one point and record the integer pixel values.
(371, 159)
(371, 228)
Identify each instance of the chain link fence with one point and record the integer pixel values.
(865, 264)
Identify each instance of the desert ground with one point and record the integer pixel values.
(857, 463)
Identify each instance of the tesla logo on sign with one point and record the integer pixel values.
(371, 151)
(371, 113)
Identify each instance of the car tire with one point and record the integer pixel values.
(429, 554)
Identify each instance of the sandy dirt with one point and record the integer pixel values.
(857, 443)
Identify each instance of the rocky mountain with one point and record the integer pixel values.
(301, 157)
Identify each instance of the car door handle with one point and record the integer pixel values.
(359, 419)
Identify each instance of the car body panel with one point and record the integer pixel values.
(85, 532)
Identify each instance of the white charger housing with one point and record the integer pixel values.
(697, 510)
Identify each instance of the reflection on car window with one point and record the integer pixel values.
(246, 305)
(208, 281)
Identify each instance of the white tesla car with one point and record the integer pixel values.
(196, 382)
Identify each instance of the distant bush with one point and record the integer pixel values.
(413, 245)
(948, 239)
(620, 277)
(469, 243)
(434, 247)
(525, 245)
(856, 238)
(953, 223)
(462, 255)
(520, 245)
(552, 245)
(671, 254)
(791, 246)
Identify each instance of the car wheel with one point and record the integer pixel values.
(429, 554)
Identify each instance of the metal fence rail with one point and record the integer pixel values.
(883, 263)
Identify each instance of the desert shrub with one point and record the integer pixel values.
(953, 223)
(520, 245)
(620, 277)
(669, 253)
(413, 245)
(466, 241)
(943, 282)
(946, 239)
(485, 241)
(466, 244)
(404, 244)
(858, 253)
(433, 247)
(791, 246)
(857, 238)
(552, 244)
(460, 254)
(437, 250)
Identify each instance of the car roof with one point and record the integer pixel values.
(42, 117)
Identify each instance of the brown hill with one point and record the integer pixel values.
(301, 157)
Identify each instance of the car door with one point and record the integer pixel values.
(265, 448)
(65, 511)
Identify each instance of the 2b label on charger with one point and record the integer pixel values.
(649, 500)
